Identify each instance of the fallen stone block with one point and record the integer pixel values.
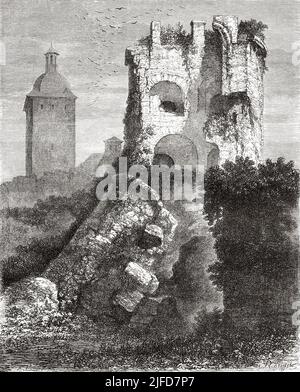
(128, 300)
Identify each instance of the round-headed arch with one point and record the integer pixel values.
(171, 97)
(177, 149)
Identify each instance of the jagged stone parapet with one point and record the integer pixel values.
(242, 76)
(237, 56)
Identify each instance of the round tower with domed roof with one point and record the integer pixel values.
(50, 121)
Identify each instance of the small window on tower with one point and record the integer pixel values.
(66, 107)
(52, 106)
(42, 106)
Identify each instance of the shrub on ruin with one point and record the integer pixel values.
(252, 28)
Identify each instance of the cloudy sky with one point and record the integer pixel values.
(86, 32)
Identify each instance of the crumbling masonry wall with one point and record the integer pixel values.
(174, 82)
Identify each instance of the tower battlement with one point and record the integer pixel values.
(204, 87)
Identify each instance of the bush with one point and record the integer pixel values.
(252, 28)
(251, 211)
(32, 259)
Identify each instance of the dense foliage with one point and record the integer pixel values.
(171, 35)
(221, 125)
(252, 213)
(78, 205)
(192, 281)
(175, 35)
(33, 258)
(252, 28)
(136, 149)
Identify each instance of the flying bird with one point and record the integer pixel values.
(134, 22)
(120, 8)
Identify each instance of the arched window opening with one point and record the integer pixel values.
(170, 98)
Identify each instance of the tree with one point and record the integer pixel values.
(251, 211)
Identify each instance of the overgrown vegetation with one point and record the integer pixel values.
(221, 125)
(32, 258)
(190, 277)
(136, 149)
(252, 28)
(135, 136)
(223, 120)
(171, 35)
(213, 43)
(175, 35)
(60, 346)
(251, 211)
(79, 205)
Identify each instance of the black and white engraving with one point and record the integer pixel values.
(149, 186)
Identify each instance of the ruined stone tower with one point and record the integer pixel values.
(50, 122)
(197, 98)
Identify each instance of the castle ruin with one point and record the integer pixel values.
(199, 94)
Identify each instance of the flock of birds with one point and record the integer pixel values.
(105, 28)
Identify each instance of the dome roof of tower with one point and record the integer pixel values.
(114, 139)
(51, 84)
